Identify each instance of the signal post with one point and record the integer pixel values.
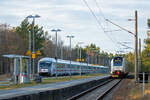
(136, 48)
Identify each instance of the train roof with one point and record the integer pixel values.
(68, 62)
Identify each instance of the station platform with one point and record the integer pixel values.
(51, 91)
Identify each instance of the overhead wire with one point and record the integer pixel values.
(100, 10)
(99, 23)
(96, 19)
(93, 14)
(106, 32)
(108, 36)
(97, 4)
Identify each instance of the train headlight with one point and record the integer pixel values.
(120, 69)
(117, 73)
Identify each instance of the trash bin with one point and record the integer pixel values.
(37, 79)
(141, 77)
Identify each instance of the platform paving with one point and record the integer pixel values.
(4, 94)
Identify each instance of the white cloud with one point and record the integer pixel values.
(72, 16)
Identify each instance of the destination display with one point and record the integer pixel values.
(118, 59)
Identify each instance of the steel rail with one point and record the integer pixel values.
(101, 96)
(89, 90)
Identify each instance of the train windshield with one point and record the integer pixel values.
(45, 64)
(118, 61)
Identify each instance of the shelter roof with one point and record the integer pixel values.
(15, 56)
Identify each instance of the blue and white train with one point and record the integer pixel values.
(118, 67)
(47, 66)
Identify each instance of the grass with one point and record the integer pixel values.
(49, 81)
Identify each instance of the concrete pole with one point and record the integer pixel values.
(17, 71)
(140, 62)
(143, 89)
(56, 45)
(70, 56)
(30, 51)
(28, 69)
(33, 47)
(70, 51)
(15, 76)
(21, 70)
(29, 40)
(136, 48)
(56, 49)
(56, 54)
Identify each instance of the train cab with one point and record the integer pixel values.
(44, 67)
(118, 67)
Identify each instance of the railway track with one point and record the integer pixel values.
(97, 92)
(100, 97)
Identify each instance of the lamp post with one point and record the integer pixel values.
(56, 30)
(70, 50)
(33, 53)
(30, 51)
(80, 57)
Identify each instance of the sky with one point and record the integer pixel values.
(74, 17)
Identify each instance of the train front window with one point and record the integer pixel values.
(45, 64)
(117, 63)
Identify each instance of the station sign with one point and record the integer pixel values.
(33, 55)
(28, 52)
(82, 60)
(77, 60)
(38, 52)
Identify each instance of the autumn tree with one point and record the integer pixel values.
(10, 43)
(146, 51)
(24, 29)
(130, 61)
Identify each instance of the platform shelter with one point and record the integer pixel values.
(20, 74)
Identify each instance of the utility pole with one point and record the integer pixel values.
(136, 41)
(140, 62)
(136, 48)
(56, 30)
(34, 37)
(80, 57)
(80, 62)
(70, 52)
(30, 51)
(33, 46)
